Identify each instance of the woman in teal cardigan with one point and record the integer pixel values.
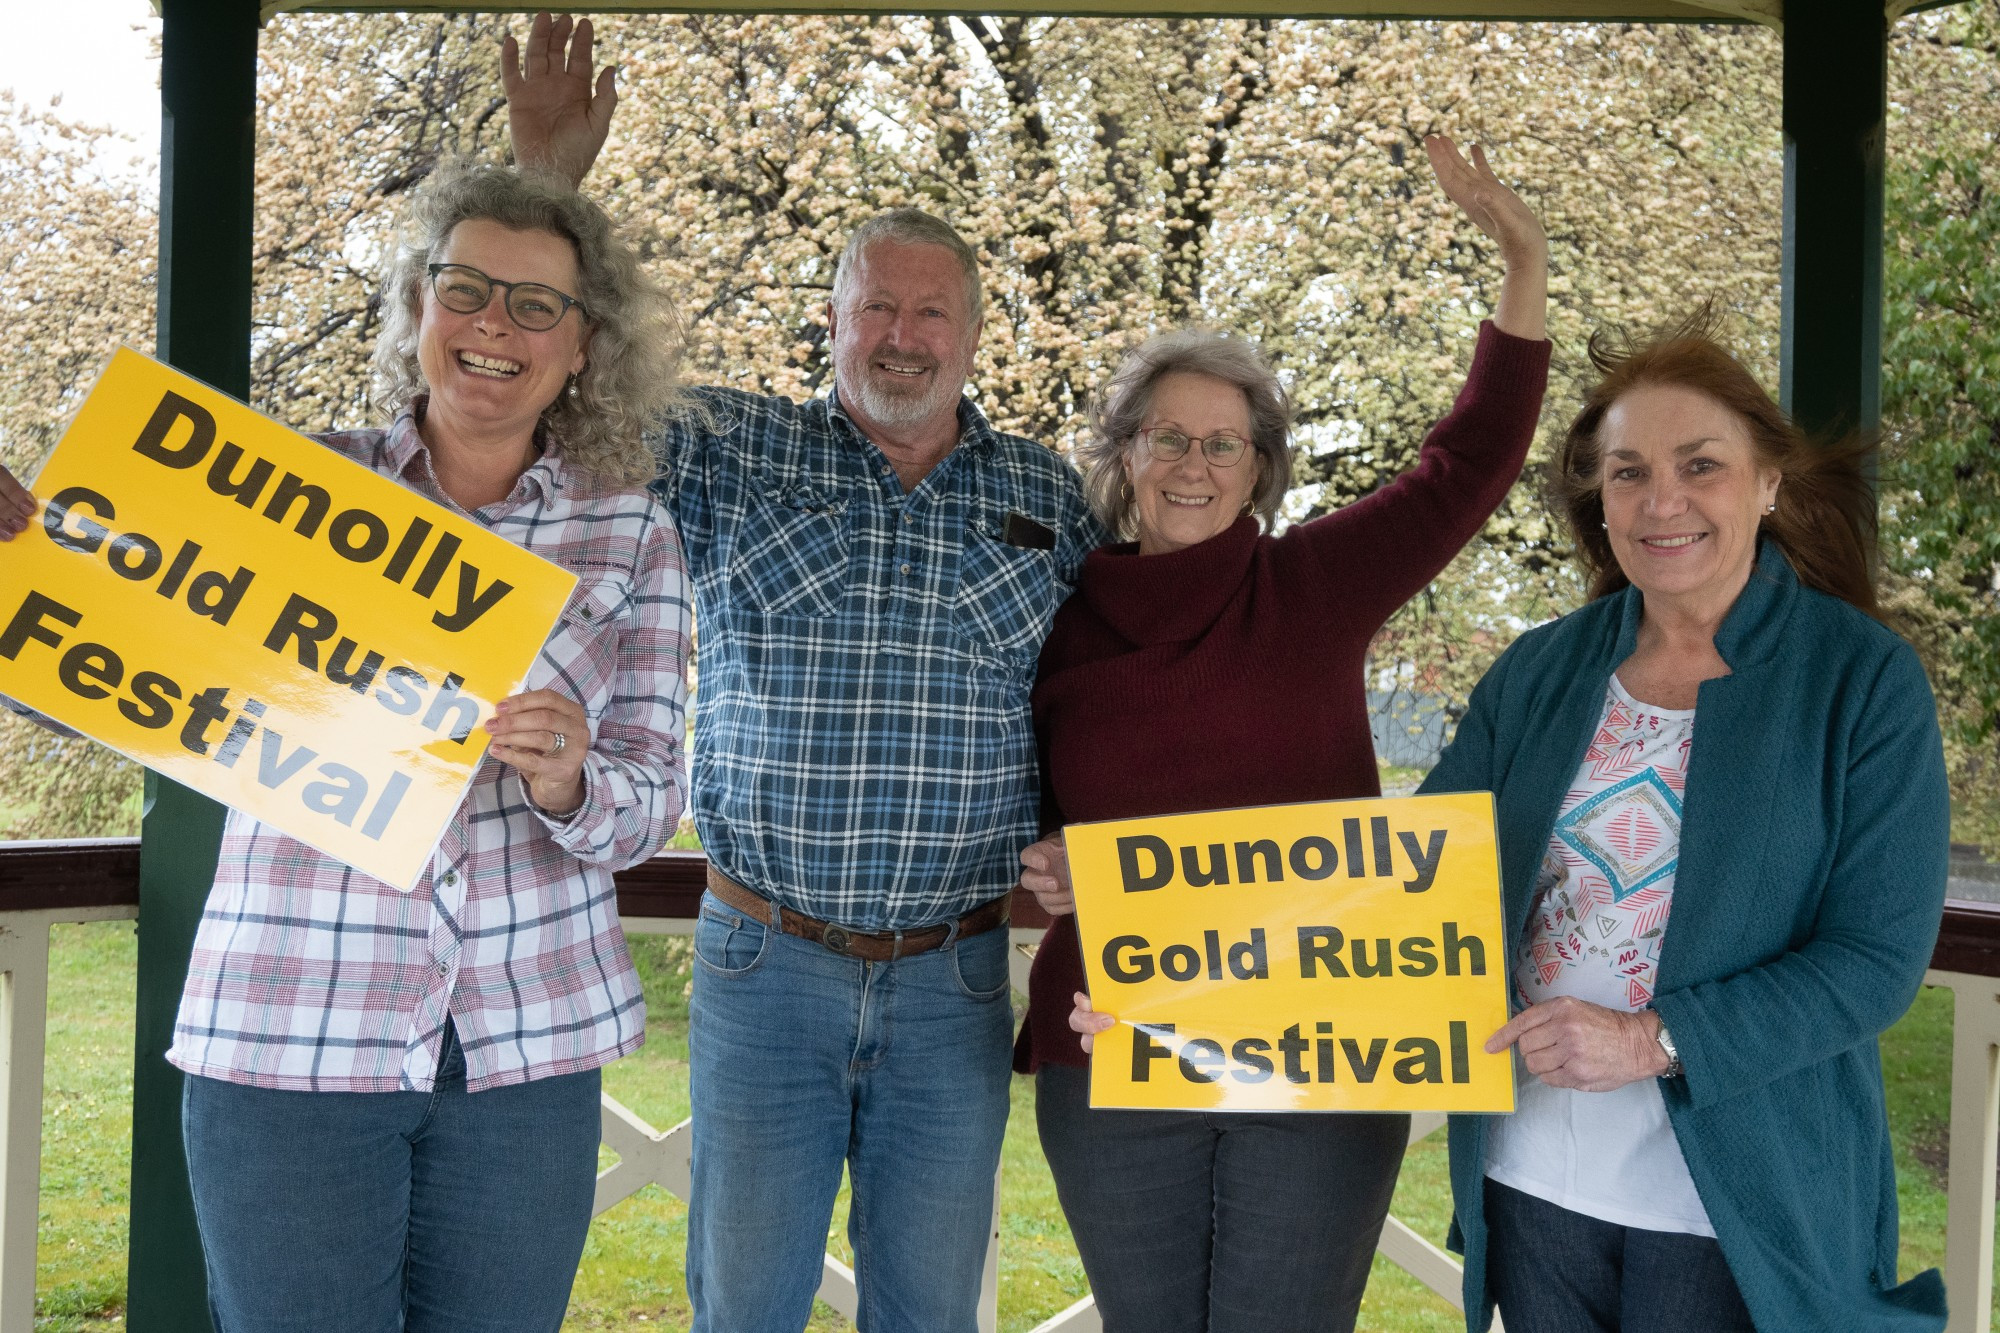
(1700, 1141)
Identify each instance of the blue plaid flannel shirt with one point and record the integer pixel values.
(863, 750)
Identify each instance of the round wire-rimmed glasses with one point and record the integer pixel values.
(1170, 445)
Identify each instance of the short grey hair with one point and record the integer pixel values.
(1120, 407)
(629, 383)
(909, 226)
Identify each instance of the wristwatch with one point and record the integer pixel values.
(1667, 1044)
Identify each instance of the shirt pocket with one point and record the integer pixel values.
(596, 605)
(584, 646)
(791, 553)
(1006, 597)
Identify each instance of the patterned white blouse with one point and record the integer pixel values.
(1594, 929)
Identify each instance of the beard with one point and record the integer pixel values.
(890, 401)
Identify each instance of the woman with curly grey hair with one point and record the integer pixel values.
(392, 1104)
(1205, 664)
(623, 379)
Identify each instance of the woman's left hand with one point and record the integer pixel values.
(544, 736)
(1494, 208)
(1499, 212)
(1571, 1043)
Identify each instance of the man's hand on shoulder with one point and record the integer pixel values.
(555, 115)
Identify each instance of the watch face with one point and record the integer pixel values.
(1673, 1056)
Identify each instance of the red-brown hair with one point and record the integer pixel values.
(1825, 519)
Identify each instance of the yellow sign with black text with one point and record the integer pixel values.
(1337, 956)
(276, 626)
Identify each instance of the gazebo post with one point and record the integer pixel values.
(1835, 112)
(208, 80)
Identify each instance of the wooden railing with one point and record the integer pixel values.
(46, 883)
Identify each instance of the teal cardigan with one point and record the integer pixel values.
(1814, 839)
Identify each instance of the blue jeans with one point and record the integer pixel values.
(1189, 1222)
(1557, 1271)
(373, 1212)
(801, 1060)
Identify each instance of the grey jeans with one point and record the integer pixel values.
(1192, 1222)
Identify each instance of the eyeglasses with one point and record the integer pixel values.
(1169, 445)
(535, 306)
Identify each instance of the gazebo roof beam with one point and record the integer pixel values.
(1768, 12)
(1573, 11)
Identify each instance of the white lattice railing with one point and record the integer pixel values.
(42, 885)
(647, 1156)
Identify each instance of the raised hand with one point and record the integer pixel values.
(555, 115)
(17, 507)
(1513, 226)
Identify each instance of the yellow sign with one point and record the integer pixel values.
(1339, 956)
(255, 616)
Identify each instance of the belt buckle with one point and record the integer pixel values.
(836, 939)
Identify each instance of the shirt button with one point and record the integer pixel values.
(444, 969)
(451, 879)
(908, 519)
(906, 569)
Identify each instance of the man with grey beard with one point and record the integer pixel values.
(874, 570)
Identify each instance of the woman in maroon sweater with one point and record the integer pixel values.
(1209, 665)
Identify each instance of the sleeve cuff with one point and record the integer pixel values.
(570, 831)
(1504, 364)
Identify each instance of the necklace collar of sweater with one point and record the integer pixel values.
(1168, 598)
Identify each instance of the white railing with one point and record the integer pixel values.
(648, 1156)
(24, 1028)
(1975, 1126)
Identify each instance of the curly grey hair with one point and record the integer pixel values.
(629, 383)
(909, 226)
(1120, 407)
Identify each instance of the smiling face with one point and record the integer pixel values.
(1189, 500)
(490, 378)
(1683, 495)
(903, 336)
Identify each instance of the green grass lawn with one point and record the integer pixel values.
(630, 1276)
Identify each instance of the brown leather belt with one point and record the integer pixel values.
(870, 946)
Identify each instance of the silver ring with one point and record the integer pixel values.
(557, 748)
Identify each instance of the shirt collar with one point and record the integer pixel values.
(404, 445)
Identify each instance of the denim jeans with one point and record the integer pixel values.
(1557, 1271)
(1190, 1222)
(801, 1060)
(373, 1212)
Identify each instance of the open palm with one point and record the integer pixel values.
(556, 117)
(1493, 208)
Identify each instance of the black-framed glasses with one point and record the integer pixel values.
(1170, 445)
(535, 306)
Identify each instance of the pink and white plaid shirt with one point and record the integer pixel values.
(309, 975)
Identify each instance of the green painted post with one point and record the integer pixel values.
(208, 77)
(1836, 106)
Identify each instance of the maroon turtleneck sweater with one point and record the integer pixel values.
(1230, 673)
